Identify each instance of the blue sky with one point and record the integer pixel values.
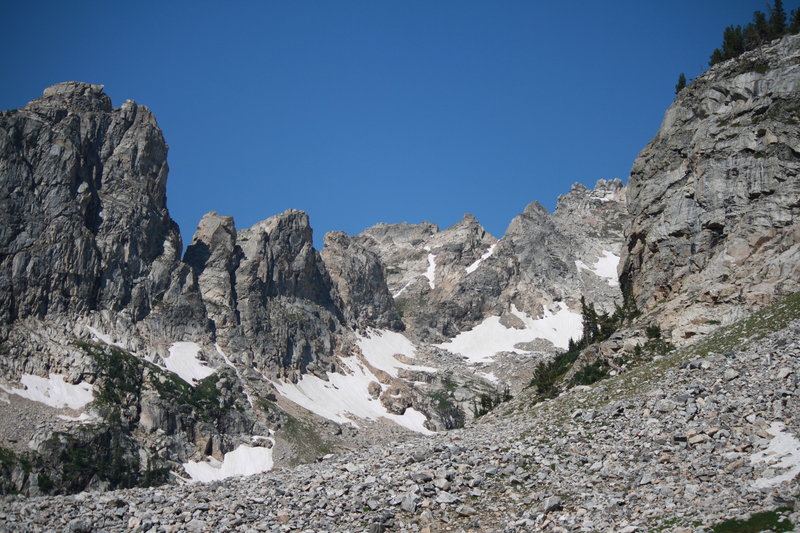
(361, 112)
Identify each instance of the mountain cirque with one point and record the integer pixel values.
(255, 350)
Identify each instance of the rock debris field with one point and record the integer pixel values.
(709, 439)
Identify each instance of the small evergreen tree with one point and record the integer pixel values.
(681, 83)
(794, 22)
(590, 323)
(756, 33)
(777, 19)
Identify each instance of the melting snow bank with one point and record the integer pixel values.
(490, 337)
(380, 346)
(604, 267)
(243, 461)
(783, 452)
(431, 272)
(474, 266)
(183, 361)
(345, 396)
(53, 391)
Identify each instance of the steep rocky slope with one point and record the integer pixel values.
(715, 196)
(693, 440)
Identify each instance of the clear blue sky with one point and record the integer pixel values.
(366, 111)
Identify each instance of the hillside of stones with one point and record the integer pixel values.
(701, 439)
(254, 350)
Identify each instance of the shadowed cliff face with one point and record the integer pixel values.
(83, 218)
(715, 196)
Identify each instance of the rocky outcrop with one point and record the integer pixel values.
(447, 281)
(83, 222)
(215, 256)
(267, 292)
(360, 287)
(715, 196)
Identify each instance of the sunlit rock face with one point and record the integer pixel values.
(715, 196)
(446, 282)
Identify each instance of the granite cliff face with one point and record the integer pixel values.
(84, 223)
(714, 198)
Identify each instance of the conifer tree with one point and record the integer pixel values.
(777, 19)
(756, 33)
(681, 83)
(794, 21)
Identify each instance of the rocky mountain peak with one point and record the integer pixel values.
(74, 96)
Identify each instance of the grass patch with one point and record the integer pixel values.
(309, 444)
(764, 521)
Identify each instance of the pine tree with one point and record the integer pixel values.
(794, 22)
(681, 83)
(590, 326)
(733, 41)
(756, 33)
(777, 19)
(716, 57)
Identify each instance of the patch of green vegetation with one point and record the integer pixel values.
(663, 526)
(713, 322)
(764, 521)
(123, 375)
(98, 455)
(44, 482)
(487, 402)
(449, 384)
(9, 459)
(591, 373)
(450, 413)
(597, 327)
(443, 400)
(727, 338)
(120, 374)
(754, 65)
(310, 445)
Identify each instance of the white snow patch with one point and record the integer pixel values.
(431, 272)
(783, 452)
(54, 391)
(490, 337)
(84, 418)
(474, 266)
(398, 293)
(243, 461)
(345, 396)
(380, 346)
(183, 361)
(604, 267)
(103, 337)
